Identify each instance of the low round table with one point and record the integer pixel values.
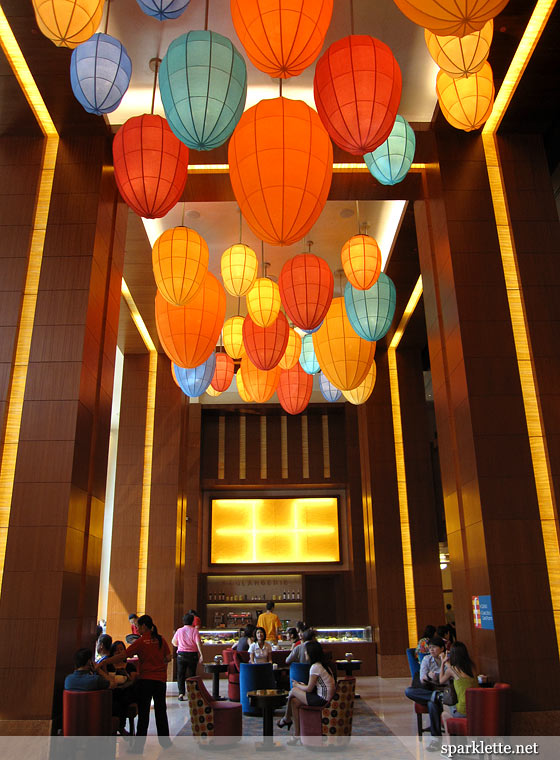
(215, 668)
(349, 666)
(268, 700)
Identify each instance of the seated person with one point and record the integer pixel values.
(317, 693)
(133, 620)
(423, 644)
(443, 632)
(293, 638)
(85, 676)
(299, 653)
(457, 665)
(124, 694)
(104, 644)
(430, 668)
(246, 639)
(260, 651)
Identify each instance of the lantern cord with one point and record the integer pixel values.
(183, 215)
(280, 82)
(352, 16)
(157, 62)
(358, 215)
(240, 226)
(262, 258)
(238, 305)
(206, 16)
(107, 15)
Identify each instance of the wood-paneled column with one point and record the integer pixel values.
(192, 511)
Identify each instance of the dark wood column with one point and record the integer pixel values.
(192, 510)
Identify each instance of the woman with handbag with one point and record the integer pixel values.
(457, 669)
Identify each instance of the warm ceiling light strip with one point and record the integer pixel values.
(337, 168)
(529, 385)
(408, 568)
(29, 300)
(148, 449)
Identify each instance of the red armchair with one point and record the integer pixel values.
(330, 725)
(232, 658)
(88, 713)
(488, 713)
(217, 723)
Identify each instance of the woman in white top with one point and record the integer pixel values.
(260, 651)
(317, 693)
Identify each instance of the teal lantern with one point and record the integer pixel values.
(371, 311)
(307, 358)
(203, 87)
(329, 391)
(194, 382)
(390, 162)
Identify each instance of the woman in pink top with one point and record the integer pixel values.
(189, 652)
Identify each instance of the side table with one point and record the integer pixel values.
(268, 700)
(215, 668)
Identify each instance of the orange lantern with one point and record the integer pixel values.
(259, 383)
(223, 374)
(451, 17)
(232, 335)
(212, 392)
(241, 389)
(265, 346)
(294, 389)
(263, 302)
(460, 56)
(344, 357)
(174, 376)
(306, 288)
(466, 103)
(68, 23)
(281, 39)
(364, 390)
(188, 334)
(292, 352)
(180, 263)
(239, 269)
(280, 167)
(361, 261)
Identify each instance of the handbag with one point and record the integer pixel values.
(448, 694)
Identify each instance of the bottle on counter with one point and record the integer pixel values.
(293, 595)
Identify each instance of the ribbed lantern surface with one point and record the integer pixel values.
(180, 264)
(466, 103)
(364, 390)
(100, 72)
(361, 261)
(292, 352)
(451, 17)
(460, 56)
(232, 336)
(223, 374)
(330, 393)
(193, 382)
(390, 162)
(260, 384)
(306, 287)
(371, 311)
(238, 267)
(263, 301)
(294, 389)
(68, 23)
(241, 389)
(163, 9)
(265, 346)
(308, 360)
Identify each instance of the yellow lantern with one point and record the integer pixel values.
(260, 384)
(239, 269)
(361, 261)
(68, 23)
(344, 357)
(232, 335)
(263, 302)
(212, 392)
(364, 390)
(466, 103)
(292, 352)
(180, 263)
(461, 56)
(241, 389)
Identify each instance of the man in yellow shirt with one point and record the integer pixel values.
(270, 622)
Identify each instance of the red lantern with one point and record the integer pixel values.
(259, 384)
(265, 346)
(357, 89)
(306, 289)
(188, 334)
(280, 167)
(151, 165)
(294, 389)
(223, 374)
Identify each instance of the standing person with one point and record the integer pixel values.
(450, 620)
(270, 621)
(153, 655)
(197, 621)
(189, 652)
(260, 651)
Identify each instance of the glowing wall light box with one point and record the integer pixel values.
(274, 530)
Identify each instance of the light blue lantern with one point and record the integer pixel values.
(203, 87)
(390, 162)
(329, 391)
(310, 332)
(307, 358)
(371, 311)
(163, 9)
(194, 382)
(100, 72)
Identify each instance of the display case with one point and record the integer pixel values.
(222, 637)
(350, 635)
(357, 641)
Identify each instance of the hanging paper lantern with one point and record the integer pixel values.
(239, 269)
(310, 332)
(188, 334)
(203, 86)
(173, 375)
(451, 17)
(100, 72)
(361, 261)
(307, 359)
(68, 23)
(265, 346)
(357, 89)
(241, 389)
(151, 165)
(292, 352)
(371, 311)
(211, 392)
(466, 103)
(461, 56)
(259, 383)
(193, 382)
(364, 390)
(294, 389)
(306, 288)
(390, 162)
(280, 167)
(223, 374)
(263, 302)
(232, 336)
(344, 357)
(163, 9)
(180, 264)
(281, 39)
(330, 393)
